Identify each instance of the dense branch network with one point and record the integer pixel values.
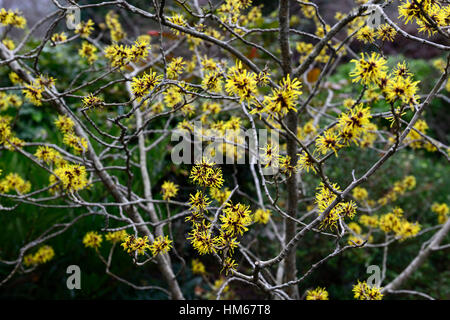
(206, 64)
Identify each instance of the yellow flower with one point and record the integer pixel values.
(78, 144)
(202, 240)
(33, 93)
(16, 183)
(386, 32)
(402, 88)
(198, 267)
(360, 193)
(43, 255)
(65, 124)
(85, 28)
(116, 236)
(306, 162)
(139, 50)
(369, 70)
(324, 197)
(261, 216)
(73, 177)
(286, 165)
(47, 154)
(389, 222)
(169, 190)
(9, 44)
(355, 227)
(133, 244)
(317, 294)
(362, 291)
(235, 219)
(329, 141)
(93, 240)
(206, 174)
(141, 86)
(118, 55)
(160, 245)
(175, 68)
(229, 265)
(212, 81)
(219, 195)
(177, 19)
(91, 101)
(241, 82)
(13, 18)
(59, 37)
(366, 34)
(369, 221)
(283, 99)
(198, 202)
(88, 51)
(442, 211)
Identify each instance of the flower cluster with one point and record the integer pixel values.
(317, 294)
(284, 98)
(219, 195)
(356, 236)
(7, 137)
(72, 176)
(14, 182)
(50, 156)
(66, 126)
(206, 174)
(369, 69)
(141, 86)
(394, 222)
(113, 23)
(120, 55)
(43, 255)
(261, 216)
(241, 82)
(353, 124)
(160, 245)
(88, 51)
(132, 244)
(235, 219)
(175, 68)
(9, 100)
(414, 137)
(360, 194)
(399, 188)
(169, 190)
(116, 236)
(91, 101)
(33, 93)
(12, 18)
(93, 240)
(59, 37)
(442, 211)
(85, 28)
(362, 291)
(324, 198)
(429, 15)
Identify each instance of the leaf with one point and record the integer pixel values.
(313, 75)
